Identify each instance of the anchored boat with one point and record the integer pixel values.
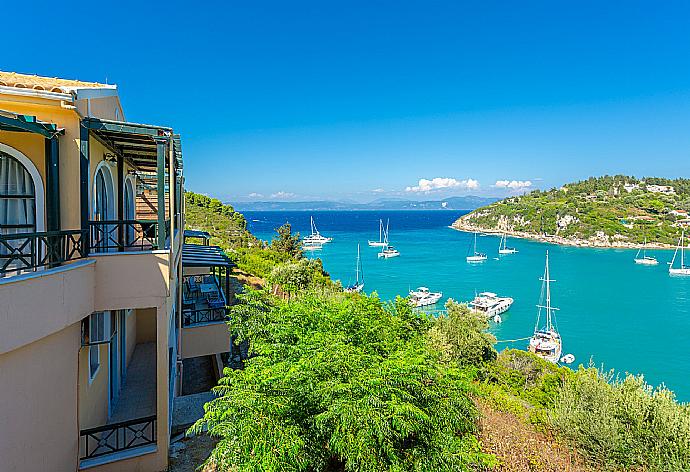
(645, 259)
(358, 286)
(476, 256)
(546, 341)
(423, 297)
(490, 305)
(388, 251)
(503, 246)
(315, 238)
(683, 269)
(383, 235)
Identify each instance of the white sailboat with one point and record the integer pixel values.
(358, 286)
(388, 251)
(315, 238)
(476, 256)
(683, 269)
(645, 259)
(503, 247)
(546, 341)
(383, 233)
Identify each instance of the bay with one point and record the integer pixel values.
(612, 312)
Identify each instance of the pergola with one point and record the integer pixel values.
(213, 257)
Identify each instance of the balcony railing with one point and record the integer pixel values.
(117, 437)
(203, 301)
(28, 252)
(125, 235)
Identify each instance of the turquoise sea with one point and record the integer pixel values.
(620, 315)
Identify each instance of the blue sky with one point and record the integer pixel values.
(362, 100)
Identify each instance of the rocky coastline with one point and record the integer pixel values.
(462, 224)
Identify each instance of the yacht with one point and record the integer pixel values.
(683, 269)
(645, 259)
(546, 341)
(358, 286)
(423, 297)
(311, 246)
(476, 256)
(503, 247)
(490, 304)
(389, 251)
(383, 235)
(315, 237)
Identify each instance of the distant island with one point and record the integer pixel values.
(451, 203)
(608, 211)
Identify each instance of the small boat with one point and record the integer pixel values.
(315, 237)
(498, 319)
(358, 286)
(546, 341)
(645, 259)
(383, 235)
(476, 256)
(683, 269)
(568, 359)
(503, 247)
(423, 297)
(490, 305)
(310, 246)
(389, 251)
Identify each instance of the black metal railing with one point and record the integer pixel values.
(195, 316)
(28, 252)
(125, 235)
(117, 437)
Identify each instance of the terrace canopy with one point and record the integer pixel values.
(213, 257)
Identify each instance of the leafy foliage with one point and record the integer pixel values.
(462, 337)
(623, 422)
(346, 383)
(286, 242)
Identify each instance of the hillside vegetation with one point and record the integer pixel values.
(602, 211)
(337, 382)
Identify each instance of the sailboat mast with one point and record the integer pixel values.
(357, 265)
(380, 230)
(548, 294)
(682, 250)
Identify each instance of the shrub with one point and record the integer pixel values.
(623, 422)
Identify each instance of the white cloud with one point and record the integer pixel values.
(255, 195)
(513, 184)
(440, 183)
(282, 194)
(378, 190)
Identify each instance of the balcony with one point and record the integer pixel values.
(29, 252)
(203, 300)
(127, 235)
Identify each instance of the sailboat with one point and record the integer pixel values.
(382, 235)
(358, 286)
(476, 256)
(388, 251)
(683, 269)
(546, 342)
(503, 247)
(315, 237)
(645, 259)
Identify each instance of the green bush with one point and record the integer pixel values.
(623, 422)
(340, 384)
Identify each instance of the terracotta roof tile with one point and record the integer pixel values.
(50, 84)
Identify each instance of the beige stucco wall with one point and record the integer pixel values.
(146, 325)
(42, 303)
(205, 340)
(93, 394)
(131, 334)
(38, 404)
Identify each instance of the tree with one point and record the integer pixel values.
(286, 242)
(344, 383)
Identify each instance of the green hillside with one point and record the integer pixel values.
(609, 210)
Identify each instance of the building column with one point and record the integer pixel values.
(122, 227)
(161, 150)
(52, 154)
(84, 168)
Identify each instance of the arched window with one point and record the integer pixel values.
(17, 197)
(104, 235)
(129, 210)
